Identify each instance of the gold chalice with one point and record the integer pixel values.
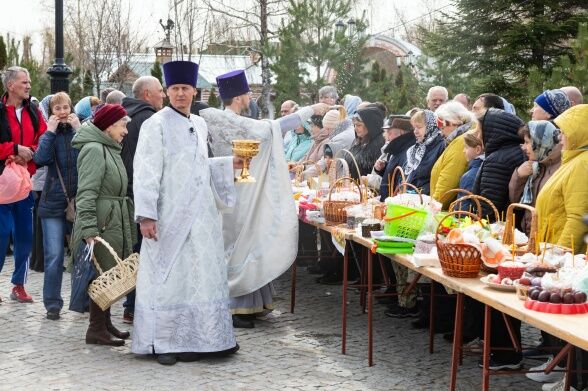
(246, 150)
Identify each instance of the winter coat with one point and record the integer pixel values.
(421, 176)
(25, 132)
(298, 147)
(396, 151)
(103, 208)
(467, 181)
(139, 111)
(547, 167)
(449, 168)
(503, 156)
(564, 196)
(55, 148)
(366, 150)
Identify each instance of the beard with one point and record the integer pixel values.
(245, 112)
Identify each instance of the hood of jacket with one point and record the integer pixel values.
(134, 106)
(88, 133)
(572, 124)
(499, 130)
(373, 119)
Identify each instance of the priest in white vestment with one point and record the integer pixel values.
(182, 305)
(261, 233)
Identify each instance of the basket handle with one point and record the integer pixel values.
(352, 158)
(392, 178)
(476, 197)
(457, 212)
(508, 238)
(110, 250)
(346, 178)
(333, 169)
(405, 185)
(455, 191)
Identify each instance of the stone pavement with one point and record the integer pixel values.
(285, 351)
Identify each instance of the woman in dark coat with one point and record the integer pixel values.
(368, 142)
(502, 143)
(56, 153)
(502, 146)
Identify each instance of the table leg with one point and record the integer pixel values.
(457, 340)
(412, 284)
(515, 342)
(486, 351)
(293, 288)
(370, 303)
(432, 319)
(363, 281)
(568, 369)
(344, 305)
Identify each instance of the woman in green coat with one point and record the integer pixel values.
(102, 207)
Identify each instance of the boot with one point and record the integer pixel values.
(97, 333)
(113, 330)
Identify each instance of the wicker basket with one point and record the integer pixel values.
(454, 193)
(114, 284)
(392, 179)
(507, 237)
(334, 211)
(458, 260)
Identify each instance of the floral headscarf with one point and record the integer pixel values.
(415, 154)
(544, 136)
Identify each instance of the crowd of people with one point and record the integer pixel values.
(125, 159)
(480, 146)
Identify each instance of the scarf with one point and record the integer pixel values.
(415, 154)
(544, 136)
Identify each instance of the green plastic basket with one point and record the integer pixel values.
(404, 222)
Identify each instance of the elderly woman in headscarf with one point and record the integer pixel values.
(421, 157)
(544, 153)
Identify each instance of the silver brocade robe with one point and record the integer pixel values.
(182, 302)
(261, 233)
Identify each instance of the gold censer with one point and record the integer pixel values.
(246, 150)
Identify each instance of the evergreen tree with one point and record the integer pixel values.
(286, 66)
(3, 53)
(348, 61)
(496, 43)
(156, 72)
(318, 41)
(569, 70)
(213, 99)
(380, 86)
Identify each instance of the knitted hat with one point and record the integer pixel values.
(402, 122)
(331, 119)
(554, 102)
(108, 115)
(180, 72)
(232, 84)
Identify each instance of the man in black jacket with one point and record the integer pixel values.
(148, 99)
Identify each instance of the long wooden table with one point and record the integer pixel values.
(571, 328)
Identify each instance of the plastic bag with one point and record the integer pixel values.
(81, 276)
(15, 183)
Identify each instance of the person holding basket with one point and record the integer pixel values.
(103, 208)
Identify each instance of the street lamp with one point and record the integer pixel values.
(339, 27)
(59, 71)
(351, 24)
(408, 59)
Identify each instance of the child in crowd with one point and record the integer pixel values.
(474, 153)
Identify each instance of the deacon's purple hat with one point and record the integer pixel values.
(180, 72)
(232, 84)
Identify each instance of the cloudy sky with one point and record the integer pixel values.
(28, 17)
